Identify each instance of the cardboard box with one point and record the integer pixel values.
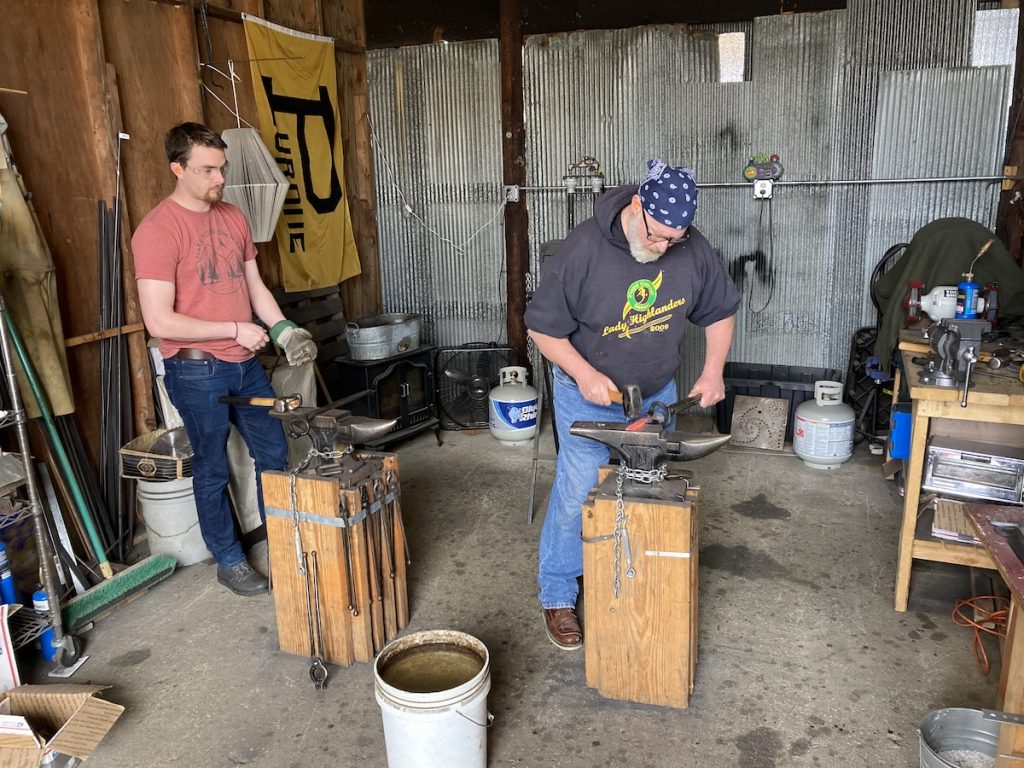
(69, 719)
(9, 677)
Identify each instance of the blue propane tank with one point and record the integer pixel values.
(8, 592)
(967, 298)
(41, 604)
(513, 406)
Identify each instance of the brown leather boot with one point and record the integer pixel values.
(563, 628)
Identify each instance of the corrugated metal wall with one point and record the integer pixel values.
(436, 121)
(880, 90)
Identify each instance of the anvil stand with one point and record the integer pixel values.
(640, 588)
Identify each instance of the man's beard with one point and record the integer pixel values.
(637, 249)
(214, 195)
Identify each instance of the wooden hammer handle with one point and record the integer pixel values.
(264, 401)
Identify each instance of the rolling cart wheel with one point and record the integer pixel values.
(69, 657)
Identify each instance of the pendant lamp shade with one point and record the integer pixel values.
(255, 184)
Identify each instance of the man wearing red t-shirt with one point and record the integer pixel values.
(199, 288)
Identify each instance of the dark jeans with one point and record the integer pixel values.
(194, 386)
(579, 459)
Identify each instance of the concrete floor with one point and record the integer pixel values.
(802, 661)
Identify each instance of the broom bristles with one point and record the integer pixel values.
(105, 596)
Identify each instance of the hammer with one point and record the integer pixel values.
(277, 404)
(631, 399)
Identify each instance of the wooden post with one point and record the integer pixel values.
(1009, 224)
(346, 23)
(513, 157)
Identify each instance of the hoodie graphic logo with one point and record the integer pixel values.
(639, 313)
(641, 295)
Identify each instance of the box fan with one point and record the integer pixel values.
(465, 377)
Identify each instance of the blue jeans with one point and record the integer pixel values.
(561, 548)
(194, 386)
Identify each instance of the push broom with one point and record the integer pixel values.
(115, 588)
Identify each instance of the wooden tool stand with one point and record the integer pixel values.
(355, 528)
(641, 645)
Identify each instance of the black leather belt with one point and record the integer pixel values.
(188, 353)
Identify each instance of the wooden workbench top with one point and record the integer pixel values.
(984, 389)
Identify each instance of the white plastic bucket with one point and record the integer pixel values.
(172, 523)
(432, 690)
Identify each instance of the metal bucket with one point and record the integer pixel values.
(947, 730)
(381, 336)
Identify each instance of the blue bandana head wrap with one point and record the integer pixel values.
(669, 195)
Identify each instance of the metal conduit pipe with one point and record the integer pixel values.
(793, 183)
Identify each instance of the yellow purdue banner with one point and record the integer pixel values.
(295, 83)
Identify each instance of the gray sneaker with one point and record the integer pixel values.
(242, 579)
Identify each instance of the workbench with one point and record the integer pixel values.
(1011, 679)
(989, 400)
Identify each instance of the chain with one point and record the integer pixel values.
(327, 454)
(620, 526)
(646, 476)
(292, 475)
(295, 522)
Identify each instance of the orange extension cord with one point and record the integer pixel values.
(992, 622)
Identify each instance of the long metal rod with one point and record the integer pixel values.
(43, 404)
(796, 183)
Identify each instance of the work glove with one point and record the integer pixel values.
(297, 343)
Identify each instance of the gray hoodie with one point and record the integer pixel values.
(626, 318)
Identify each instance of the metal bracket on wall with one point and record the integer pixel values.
(512, 193)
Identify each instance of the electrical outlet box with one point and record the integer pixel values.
(512, 193)
(763, 189)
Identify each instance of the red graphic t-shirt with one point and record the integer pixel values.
(203, 253)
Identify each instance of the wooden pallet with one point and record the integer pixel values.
(642, 645)
(320, 312)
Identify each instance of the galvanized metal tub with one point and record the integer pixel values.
(380, 336)
(945, 730)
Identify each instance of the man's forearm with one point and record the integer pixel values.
(184, 328)
(718, 337)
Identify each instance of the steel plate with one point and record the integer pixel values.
(759, 422)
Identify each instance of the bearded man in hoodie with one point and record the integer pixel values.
(611, 310)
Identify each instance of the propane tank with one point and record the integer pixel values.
(513, 406)
(967, 296)
(823, 427)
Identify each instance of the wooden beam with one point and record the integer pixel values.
(513, 159)
(300, 15)
(345, 22)
(107, 334)
(1009, 218)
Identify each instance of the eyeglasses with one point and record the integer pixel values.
(660, 238)
(209, 171)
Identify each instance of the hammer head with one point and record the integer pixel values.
(632, 402)
(287, 403)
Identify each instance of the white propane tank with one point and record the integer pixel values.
(823, 427)
(513, 406)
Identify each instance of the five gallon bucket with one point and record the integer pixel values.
(951, 738)
(432, 690)
(172, 523)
